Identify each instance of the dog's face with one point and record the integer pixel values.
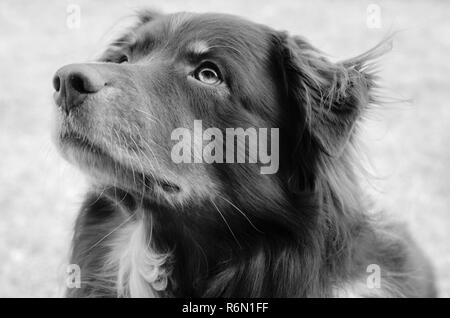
(116, 117)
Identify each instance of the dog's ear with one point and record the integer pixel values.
(328, 98)
(127, 37)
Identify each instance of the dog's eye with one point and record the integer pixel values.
(122, 59)
(208, 73)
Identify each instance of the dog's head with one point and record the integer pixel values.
(120, 118)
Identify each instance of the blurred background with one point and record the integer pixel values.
(408, 143)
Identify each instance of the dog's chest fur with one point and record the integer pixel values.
(117, 251)
(138, 268)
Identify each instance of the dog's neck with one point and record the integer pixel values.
(193, 251)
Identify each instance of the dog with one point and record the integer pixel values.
(153, 227)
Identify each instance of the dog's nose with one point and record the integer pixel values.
(73, 83)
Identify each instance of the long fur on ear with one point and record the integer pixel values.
(127, 37)
(332, 95)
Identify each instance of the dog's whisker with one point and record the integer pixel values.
(142, 168)
(241, 212)
(137, 157)
(153, 171)
(150, 117)
(129, 159)
(156, 159)
(226, 223)
(116, 175)
(151, 142)
(109, 233)
(99, 196)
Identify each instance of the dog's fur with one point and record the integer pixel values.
(153, 228)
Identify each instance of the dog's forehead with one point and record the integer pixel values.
(198, 33)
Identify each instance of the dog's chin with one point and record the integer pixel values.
(95, 161)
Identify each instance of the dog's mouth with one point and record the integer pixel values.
(99, 158)
(78, 141)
